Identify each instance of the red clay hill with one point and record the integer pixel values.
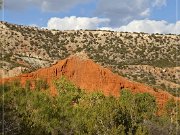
(90, 76)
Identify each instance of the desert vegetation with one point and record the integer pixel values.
(149, 58)
(34, 111)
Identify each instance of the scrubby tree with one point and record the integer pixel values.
(73, 111)
(146, 105)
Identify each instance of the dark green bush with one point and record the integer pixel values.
(74, 112)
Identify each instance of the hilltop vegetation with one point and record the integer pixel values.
(148, 58)
(74, 112)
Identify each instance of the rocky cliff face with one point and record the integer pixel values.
(90, 76)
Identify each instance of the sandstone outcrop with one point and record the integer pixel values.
(90, 76)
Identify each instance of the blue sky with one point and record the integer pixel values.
(167, 12)
(121, 15)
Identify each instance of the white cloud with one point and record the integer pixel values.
(45, 5)
(149, 26)
(159, 3)
(118, 11)
(123, 11)
(33, 25)
(145, 12)
(75, 23)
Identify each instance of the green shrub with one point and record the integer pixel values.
(73, 111)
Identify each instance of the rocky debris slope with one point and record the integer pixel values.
(90, 76)
(11, 73)
(164, 78)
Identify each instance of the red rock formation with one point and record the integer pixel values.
(92, 77)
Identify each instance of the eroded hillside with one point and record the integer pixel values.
(153, 59)
(89, 76)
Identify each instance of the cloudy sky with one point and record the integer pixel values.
(152, 16)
